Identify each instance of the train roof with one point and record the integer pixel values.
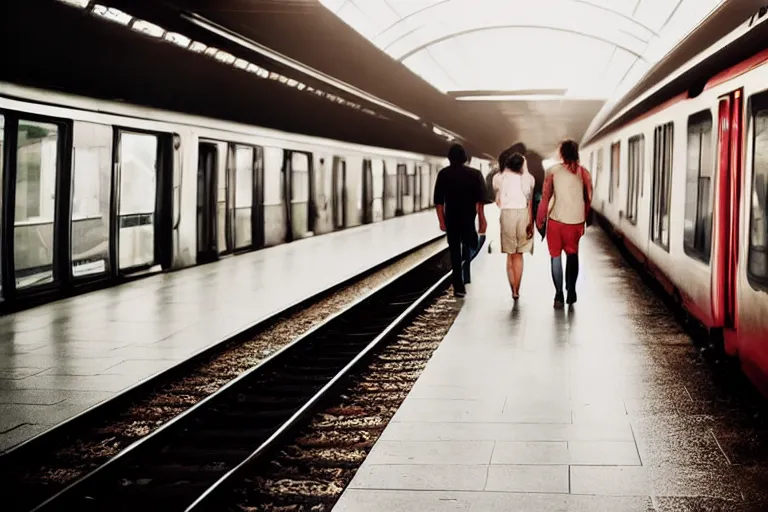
(734, 54)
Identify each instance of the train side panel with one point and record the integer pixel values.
(751, 333)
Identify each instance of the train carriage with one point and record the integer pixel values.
(95, 192)
(684, 187)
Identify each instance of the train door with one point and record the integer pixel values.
(300, 195)
(144, 202)
(367, 191)
(225, 200)
(91, 201)
(207, 169)
(339, 199)
(390, 191)
(35, 204)
(417, 188)
(425, 188)
(246, 193)
(401, 181)
(258, 235)
(726, 210)
(378, 174)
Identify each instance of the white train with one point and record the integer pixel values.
(95, 191)
(685, 186)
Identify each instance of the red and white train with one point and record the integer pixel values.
(685, 187)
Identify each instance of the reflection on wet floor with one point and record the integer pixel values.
(608, 406)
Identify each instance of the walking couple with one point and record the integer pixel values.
(561, 214)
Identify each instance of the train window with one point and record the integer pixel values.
(37, 156)
(758, 233)
(136, 213)
(635, 157)
(663, 138)
(273, 177)
(244, 160)
(360, 189)
(614, 170)
(92, 185)
(300, 178)
(697, 231)
(300, 183)
(410, 182)
(339, 192)
(402, 171)
(598, 166)
(378, 171)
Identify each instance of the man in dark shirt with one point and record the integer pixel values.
(459, 196)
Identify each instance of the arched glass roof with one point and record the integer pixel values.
(573, 48)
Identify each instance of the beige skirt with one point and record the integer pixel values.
(514, 239)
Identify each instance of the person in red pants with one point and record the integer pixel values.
(569, 186)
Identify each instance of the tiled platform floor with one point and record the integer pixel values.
(60, 359)
(608, 407)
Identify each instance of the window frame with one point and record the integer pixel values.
(62, 220)
(757, 102)
(599, 166)
(696, 119)
(614, 170)
(635, 176)
(666, 155)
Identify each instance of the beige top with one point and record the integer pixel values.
(568, 196)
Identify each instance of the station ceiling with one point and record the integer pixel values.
(547, 65)
(400, 73)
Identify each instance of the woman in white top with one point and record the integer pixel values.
(514, 192)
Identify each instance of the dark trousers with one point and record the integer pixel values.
(462, 245)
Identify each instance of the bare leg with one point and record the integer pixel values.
(511, 274)
(517, 271)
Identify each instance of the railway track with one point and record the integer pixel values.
(186, 462)
(42, 466)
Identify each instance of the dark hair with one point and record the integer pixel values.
(569, 150)
(518, 147)
(515, 162)
(457, 155)
(503, 157)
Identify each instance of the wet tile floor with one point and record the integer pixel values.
(610, 406)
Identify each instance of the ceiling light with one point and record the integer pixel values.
(197, 47)
(224, 57)
(112, 14)
(526, 97)
(177, 39)
(148, 28)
